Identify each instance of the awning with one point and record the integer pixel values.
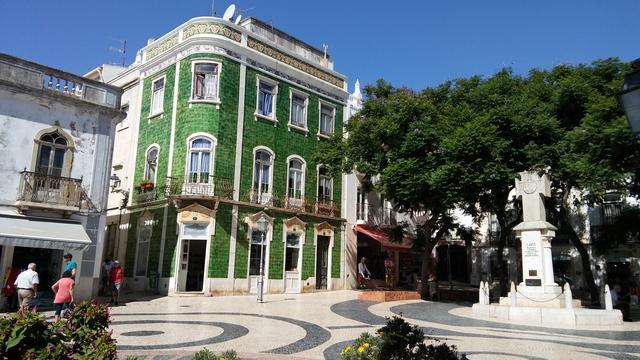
(42, 233)
(381, 235)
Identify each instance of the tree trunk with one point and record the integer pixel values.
(502, 243)
(426, 260)
(585, 259)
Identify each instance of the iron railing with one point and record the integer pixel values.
(52, 190)
(146, 196)
(308, 205)
(214, 186)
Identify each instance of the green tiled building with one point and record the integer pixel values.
(216, 155)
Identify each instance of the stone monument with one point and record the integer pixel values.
(538, 299)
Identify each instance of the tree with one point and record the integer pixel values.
(397, 136)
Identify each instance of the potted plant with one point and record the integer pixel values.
(146, 185)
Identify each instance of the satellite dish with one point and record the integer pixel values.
(228, 14)
(238, 19)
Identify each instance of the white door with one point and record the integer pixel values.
(183, 265)
(292, 262)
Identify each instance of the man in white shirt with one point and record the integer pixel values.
(27, 285)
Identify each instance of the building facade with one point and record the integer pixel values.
(223, 120)
(56, 136)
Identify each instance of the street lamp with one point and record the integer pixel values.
(262, 227)
(630, 97)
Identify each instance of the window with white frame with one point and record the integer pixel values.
(295, 183)
(298, 110)
(157, 96)
(266, 99)
(52, 151)
(292, 252)
(199, 170)
(327, 119)
(262, 175)
(142, 258)
(205, 81)
(258, 247)
(361, 204)
(324, 185)
(151, 164)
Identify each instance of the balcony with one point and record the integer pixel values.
(215, 186)
(49, 193)
(307, 205)
(146, 196)
(375, 215)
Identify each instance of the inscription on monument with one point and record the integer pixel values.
(531, 249)
(533, 282)
(533, 272)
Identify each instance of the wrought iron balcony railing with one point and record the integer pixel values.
(213, 186)
(43, 190)
(307, 205)
(146, 196)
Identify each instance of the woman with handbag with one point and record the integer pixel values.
(63, 289)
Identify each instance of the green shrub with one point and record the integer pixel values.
(399, 340)
(27, 335)
(206, 354)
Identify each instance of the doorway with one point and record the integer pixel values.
(322, 262)
(192, 265)
(48, 266)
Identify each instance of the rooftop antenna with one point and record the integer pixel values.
(213, 7)
(122, 49)
(228, 14)
(325, 46)
(241, 13)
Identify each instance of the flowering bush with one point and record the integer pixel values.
(399, 340)
(366, 346)
(27, 335)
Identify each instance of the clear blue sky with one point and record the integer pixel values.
(413, 43)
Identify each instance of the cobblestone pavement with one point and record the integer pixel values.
(319, 325)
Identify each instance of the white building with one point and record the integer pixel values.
(56, 137)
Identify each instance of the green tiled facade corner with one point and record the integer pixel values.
(219, 252)
(170, 243)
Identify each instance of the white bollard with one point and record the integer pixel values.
(608, 304)
(568, 297)
(487, 294)
(481, 293)
(512, 295)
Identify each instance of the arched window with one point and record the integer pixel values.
(52, 148)
(295, 183)
(325, 186)
(200, 150)
(151, 164)
(262, 176)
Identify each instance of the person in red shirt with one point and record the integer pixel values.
(117, 278)
(63, 289)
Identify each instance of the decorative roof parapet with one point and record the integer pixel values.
(164, 46)
(293, 62)
(211, 28)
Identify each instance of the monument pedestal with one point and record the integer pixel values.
(538, 299)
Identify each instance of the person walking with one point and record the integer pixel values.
(117, 278)
(27, 285)
(63, 289)
(363, 272)
(70, 265)
(106, 273)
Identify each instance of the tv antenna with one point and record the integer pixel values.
(122, 49)
(241, 13)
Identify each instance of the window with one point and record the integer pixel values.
(258, 246)
(296, 180)
(266, 99)
(157, 96)
(327, 115)
(51, 154)
(298, 111)
(200, 150)
(144, 236)
(324, 185)
(361, 204)
(205, 81)
(125, 122)
(151, 164)
(261, 176)
(293, 252)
